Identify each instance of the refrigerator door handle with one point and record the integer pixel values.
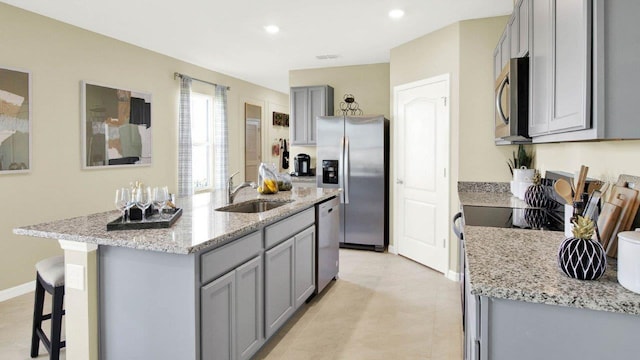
(345, 172)
(341, 170)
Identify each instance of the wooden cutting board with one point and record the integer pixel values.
(607, 221)
(627, 214)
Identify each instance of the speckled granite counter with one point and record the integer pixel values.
(521, 265)
(198, 228)
(488, 194)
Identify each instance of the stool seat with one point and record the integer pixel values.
(51, 270)
(49, 279)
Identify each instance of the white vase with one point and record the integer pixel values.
(523, 175)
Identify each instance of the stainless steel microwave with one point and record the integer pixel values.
(512, 101)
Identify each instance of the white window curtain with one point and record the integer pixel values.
(220, 138)
(185, 180)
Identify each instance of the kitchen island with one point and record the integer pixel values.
(520, 305)
(215, 285)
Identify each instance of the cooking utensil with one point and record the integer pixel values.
(593, 186)
(563, 188)
(580, 184)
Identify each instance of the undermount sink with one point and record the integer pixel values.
(253, 206)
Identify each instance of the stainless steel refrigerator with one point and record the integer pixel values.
(353, 154)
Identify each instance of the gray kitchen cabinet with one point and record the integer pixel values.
(218, 324)
(249, 306)
(305, 269)
(502, 53)
(289, 267)
(307, 103)
(502, 329)
(539, 68)
(232, 304)
(497, 63)
(561, 54)
(519, 29)
(584, 60)
(279, 285)
(232, 313)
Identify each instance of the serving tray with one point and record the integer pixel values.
(151, 222)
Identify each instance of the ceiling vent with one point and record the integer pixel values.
(327, 57)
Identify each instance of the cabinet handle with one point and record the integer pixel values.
(398, 181)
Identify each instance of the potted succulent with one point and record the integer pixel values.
(580, 256)
(520, 165)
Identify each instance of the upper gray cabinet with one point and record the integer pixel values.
(501, 54)
(519, 29)
(307, 103)
(560, 66)
(584, 57)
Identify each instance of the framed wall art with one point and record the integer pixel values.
(280, 119)
(15, 121)
(116, 126)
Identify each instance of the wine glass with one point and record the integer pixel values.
(143, 200)
(160, 198)
(123, 201)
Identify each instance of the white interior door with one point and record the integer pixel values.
(421, 190)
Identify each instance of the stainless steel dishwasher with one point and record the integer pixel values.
(328, 239)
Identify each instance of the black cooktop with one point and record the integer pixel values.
(506, 217)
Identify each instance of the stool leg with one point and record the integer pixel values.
(37, 318)
(56, 322)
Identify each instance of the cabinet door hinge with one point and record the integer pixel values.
(444, 100)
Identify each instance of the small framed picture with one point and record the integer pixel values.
(280, 119)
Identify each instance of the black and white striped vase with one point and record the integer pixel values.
(582, 259)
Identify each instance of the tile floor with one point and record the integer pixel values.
(382, 307)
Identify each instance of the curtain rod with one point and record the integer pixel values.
(177, 74)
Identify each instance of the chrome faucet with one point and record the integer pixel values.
(231, 192)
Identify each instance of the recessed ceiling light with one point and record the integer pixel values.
(271, 29)
(396, 14)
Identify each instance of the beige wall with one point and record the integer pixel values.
(465, 51)
(59, 56)
(479, 158)
(367, 83)
(606, 160)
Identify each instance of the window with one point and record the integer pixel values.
(202, 141)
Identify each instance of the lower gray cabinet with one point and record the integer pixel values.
(249, 319)
(217, 313)
(231, 312)
(305, 274)
(278, 283)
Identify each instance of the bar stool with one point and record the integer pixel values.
(50, 278)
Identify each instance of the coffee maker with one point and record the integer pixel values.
(302, 165)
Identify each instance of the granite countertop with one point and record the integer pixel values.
(516, 264)
(199, 227)
(521, 265)
(488, 194)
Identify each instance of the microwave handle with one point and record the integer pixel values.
(504, 83)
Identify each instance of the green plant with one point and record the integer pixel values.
(522, 158)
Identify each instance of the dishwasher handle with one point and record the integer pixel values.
(457, 229)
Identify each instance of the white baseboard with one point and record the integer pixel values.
(392, 250)
(453, 276)
(16, 291)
